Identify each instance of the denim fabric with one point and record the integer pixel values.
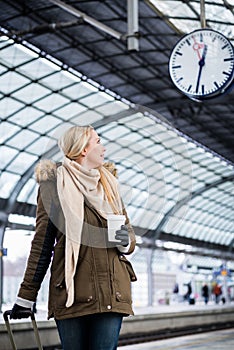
(91, 332)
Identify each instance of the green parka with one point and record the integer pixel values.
(103, 275)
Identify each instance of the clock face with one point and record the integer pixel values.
(202, 64)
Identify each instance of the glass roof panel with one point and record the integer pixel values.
(40, 145)
(7, 154)
(218, 219)
(22, 139)
(111, 108)
(88, 117)
(16, 55)
(55, 132)
(7, 183)
(29, 192)
(31, 93)
(178, 7)
(58, 81)
(26, 116)
(2, 69)
(37, 69)
(185, 15)
(82, 89)
(93, 101)
(9, 106)
(7, 130)
(21, 163)
(12, 81)
(70, 111)
(51, 102)
(45, 124)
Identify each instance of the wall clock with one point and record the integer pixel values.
(202, 64)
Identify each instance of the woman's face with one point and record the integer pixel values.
(93, 152)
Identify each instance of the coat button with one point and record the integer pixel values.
(90, 298)
(108, 307)
(118, 294)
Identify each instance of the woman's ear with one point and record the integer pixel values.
(84, 152)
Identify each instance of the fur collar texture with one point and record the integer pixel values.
(45, 170)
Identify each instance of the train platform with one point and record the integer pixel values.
(218, 340)
(144, 310)
(159, 327)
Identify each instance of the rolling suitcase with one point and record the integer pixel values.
(34, 324)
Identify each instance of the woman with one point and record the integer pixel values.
(90, 280)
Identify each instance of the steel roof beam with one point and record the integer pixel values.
(133, 28)
(75, 12)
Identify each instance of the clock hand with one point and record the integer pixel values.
(197, 46)
(201, 65)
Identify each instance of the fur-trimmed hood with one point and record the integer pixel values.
(45, 170)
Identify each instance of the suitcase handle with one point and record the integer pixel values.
(26, 313)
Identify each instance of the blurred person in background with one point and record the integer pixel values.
(205, 293)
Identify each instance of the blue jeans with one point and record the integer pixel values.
(91, 332)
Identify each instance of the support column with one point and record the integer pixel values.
(133, 28)
(2, 231)
(149, 256)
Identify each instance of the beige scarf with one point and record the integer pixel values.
(74, 183)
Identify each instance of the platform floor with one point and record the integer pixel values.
(217, 340)
(41, 315)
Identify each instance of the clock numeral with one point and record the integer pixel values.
(201, 37)
(203, 89)
(188, 42)
(179, 53)
(226, 73)
(215, 83)
(228, 59)
(175, 67)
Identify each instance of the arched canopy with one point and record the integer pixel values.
(173, 188)
(141, 76)
(175, 157)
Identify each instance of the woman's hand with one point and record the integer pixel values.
(19, 312)
(122, 235)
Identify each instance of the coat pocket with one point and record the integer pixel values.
(85, 288)
(123, 275)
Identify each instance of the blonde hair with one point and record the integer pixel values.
(74, 140)
(110, 193)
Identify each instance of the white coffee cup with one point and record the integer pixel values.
(114, 223)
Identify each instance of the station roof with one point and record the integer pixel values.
(174, 156)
